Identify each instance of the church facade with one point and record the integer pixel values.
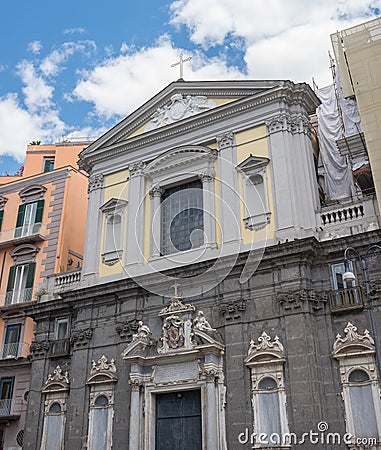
(213, 310)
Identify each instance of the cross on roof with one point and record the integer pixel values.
(181, 64)
(176, 286)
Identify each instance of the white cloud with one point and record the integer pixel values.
(53, 63)
(17, 127)
(38, 93)
(35, 47)
(78, 30)
(35, 116)
(123, 83)
(283, 39)
(86, 133)
(273, 58)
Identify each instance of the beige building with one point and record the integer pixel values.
(358, 56)
(42, 228)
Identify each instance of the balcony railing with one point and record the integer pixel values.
(5, 407)
(10, 350)
(344, 299)
(67, 278)
(348, 217)
(342, 215)
(59, 347)
(34, 231)
(28, 230)
(14, 350)
(61, 282)
(19, 296)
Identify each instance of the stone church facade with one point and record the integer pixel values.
(212, 312)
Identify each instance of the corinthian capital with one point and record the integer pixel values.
(225, 140)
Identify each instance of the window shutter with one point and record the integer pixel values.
(39, 211)
(1, 217)
(20, 216)
(30, 275)
(11, 279)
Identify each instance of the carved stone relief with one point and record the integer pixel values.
(178, 108)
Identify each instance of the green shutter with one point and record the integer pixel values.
(20, 216)
(1, 217)
(11, 279)
(39, 211)
(30, 275)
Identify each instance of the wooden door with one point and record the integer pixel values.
(178, 421)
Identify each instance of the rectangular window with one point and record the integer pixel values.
(346, 294)
(178, 421)
(1, 217)
(338, 271)
(48, 164)
(62, 329)
(20, 284)
(6, 393)
(182, 218)
(29, 218)
(12, 341)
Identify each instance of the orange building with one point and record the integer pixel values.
(42, 227)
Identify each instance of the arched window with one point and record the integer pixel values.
(113, 233)
(53, 427)
(55, 408)
(99, 416)
(255, 192)
(113, 212)
(101, 381)
(268, 407)
(266, 360)
(56, 391)
(359, 381)
(362, 404)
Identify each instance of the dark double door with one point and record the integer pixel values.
(178, 421)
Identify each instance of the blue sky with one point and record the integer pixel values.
(74, 69)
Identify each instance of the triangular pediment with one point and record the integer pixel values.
(113, 204)
(253, 163)
(176, 104)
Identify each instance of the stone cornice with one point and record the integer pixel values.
(111, 291)
(48, 177)
(287, 93)
(217, 89)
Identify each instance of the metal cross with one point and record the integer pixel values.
(181, 64)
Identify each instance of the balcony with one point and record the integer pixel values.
(19, 296)
(59, 347)
(61, 282)
(14, 350)
(348, 218)
(346, 299)
(34, 232)
(5, 407)
(9, 410)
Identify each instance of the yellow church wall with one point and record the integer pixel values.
(254, 142)
(116, 186)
